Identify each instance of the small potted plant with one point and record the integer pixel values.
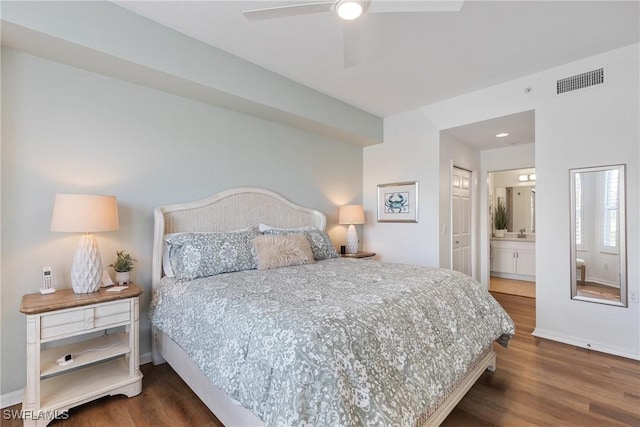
(500, 219)
(122, 265)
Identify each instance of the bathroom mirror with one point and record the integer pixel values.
(521, 208)
(598, 235)
(516, 190)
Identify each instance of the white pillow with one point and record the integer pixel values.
(166, 263)
(282, 251)
(319, 240)
(264, 227)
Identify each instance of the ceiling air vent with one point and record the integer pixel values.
(580, 81)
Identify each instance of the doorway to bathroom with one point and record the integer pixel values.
(496, 144)
(512, 244)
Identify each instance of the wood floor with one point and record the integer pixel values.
(512, 287)
(596, 290)
(545, 383)
(537, 383)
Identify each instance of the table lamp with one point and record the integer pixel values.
(85, 213)
(351, 214)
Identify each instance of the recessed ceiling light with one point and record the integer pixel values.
(523, 178)
(502, 134)
(349, 10)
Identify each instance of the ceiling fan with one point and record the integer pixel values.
(349, 11)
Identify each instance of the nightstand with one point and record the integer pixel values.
(102, 366)
(360, 255)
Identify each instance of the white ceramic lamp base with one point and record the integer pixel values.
(86, 270)
(352, 240)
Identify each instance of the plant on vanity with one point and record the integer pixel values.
(500, 219)
(122, 265)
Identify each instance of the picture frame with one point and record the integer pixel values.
(398, 202)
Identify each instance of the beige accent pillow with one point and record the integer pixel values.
(282, 251)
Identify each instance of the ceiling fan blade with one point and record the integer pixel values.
(384, 6)
(351, 43)
(284, 11)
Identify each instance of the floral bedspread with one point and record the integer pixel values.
(339, 342)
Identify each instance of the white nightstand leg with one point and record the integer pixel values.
(134, 360)
(32, 389)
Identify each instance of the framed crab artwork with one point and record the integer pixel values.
(398, 202)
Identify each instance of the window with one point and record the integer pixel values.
(610, 210)
(578, 183)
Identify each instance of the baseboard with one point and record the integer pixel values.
(145, 358)
(15, 397)
(580, 342)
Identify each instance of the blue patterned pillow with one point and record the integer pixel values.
(320, 243)
(194, 255)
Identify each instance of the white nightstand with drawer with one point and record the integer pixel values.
(101, 366)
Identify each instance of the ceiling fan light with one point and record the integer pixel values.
(349, 9)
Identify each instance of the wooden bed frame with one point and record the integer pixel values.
(233, 210)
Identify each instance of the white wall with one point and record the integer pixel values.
(406, 155)
(509, 178)
(597, 126)
(593, 126)
(69, 130)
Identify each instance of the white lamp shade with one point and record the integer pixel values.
(351, 214)
(84, 213)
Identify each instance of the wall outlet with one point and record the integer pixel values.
(633, 296)
(606, 265)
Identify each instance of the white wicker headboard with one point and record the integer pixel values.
(228, 210)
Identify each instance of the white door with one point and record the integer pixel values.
(461, 221)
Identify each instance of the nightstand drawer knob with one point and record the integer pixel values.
(90, 319)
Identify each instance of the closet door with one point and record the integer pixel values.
(461, 221)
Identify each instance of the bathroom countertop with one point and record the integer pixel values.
(514, 239)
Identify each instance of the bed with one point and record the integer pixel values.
(327, 341)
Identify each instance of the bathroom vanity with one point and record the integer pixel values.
(513, 258)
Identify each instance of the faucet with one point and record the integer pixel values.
(521, 234)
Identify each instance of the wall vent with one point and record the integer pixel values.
(580, 81)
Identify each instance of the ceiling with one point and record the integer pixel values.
(482, 135)
(409, 60)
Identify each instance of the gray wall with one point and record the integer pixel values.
(69, 130)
